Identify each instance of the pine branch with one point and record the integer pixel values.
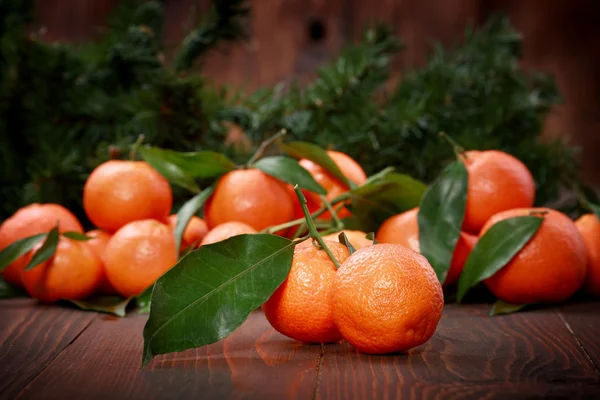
(224, 23)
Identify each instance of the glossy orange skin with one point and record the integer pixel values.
(357, 238)
(497, 182)
(351, 170)
(386, 298)
(138, 254)
(32, 220)
(225, 231)
(249, 196)
(97, 245)
(118, 192)
(300, 307)
(550, 268)
(589, 227)
(404, 229)
(73, 273)
(194, 232)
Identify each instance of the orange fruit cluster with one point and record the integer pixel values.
(133, 245)
(384, 298)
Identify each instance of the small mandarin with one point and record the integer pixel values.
(74, 272)
(32, 220)
(194, 232)
(550, 268)
(386, 298)
(249, 196)
(589, 227)
(138, 254)
(300, 307)
(118, 192)
(97, 245)
(404, 229)
(225, 231)
(497, 182)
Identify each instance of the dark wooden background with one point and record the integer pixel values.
(561, 37)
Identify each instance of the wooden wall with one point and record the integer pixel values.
(291, 38)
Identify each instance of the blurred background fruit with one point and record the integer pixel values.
(249, 196)
(74, 272)
(118, 192)
(589, 227)
(225, 231)
(550, 268)
(138, 254)
(32, 220)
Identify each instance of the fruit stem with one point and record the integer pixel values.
(378, 175)
(312, 229)
(263, 146)
(135, 147)
(296, 222)
(457, 148)
(338, 222)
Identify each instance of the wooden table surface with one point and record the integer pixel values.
(52, 352)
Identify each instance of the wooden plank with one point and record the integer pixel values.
(254, 362)
(583, 322)
(470, 354)
(31, 336)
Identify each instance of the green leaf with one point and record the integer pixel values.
(8, 291)
(187, 211)
(595, 209)
(77, 236)
(346, 242)
(18, 249)
(371, 236)
(105, 304)
(317, 155)
(373, 203)
(143, 300)
(288, 170)
(441, 215)
(199, 165)
(46, 251)
(500, 308)
(167, 167)
(495, 249)
(212, 290)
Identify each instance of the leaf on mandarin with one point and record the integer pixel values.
(374, 202)
(210, 292)
(114, 305)
(9, 291)
(173, 172)
(371, 236)
(346, 242)
(46, 251)
(501, 308)
(317, 155)
(441, 215)
(187, 211)
(18, 249)
(595, 208)
(288, 170)
(199, 165)
(80, 237)
(495, 249)
(143, 300)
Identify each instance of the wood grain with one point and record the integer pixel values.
(583, 321)
(469, 351)
(31, 336)
(104, 363)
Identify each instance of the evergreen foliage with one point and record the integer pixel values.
(66, 108)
